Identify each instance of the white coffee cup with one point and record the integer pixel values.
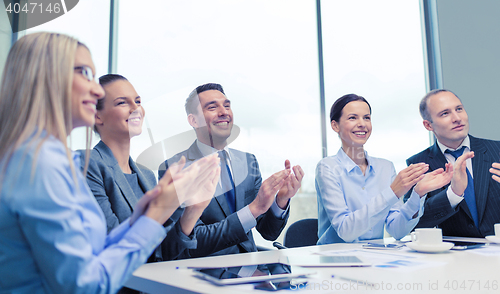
(497, 230)
(428, 236)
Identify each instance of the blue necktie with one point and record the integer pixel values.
(469, 195)
(227, 181)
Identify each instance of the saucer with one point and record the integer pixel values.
(493, 239)
(444, 246)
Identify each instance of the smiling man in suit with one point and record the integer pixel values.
(242, 201)
(470, 205)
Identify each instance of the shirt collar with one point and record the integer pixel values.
(207, 150)
(350, 165)
(465, 142)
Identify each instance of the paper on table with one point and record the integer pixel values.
(487, 250)
(386, 260)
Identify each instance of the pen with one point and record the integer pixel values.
(278, 245)
(359, 282)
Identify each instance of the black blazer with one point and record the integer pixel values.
(458, 221)
(117, 199)
(219, 231)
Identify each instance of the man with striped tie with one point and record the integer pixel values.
(470, 205)
(242, 200)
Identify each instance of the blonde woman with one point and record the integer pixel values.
(52, 231)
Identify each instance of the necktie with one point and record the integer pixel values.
(469, 195)
(227, 181)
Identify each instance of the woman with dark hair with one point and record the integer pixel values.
(53, 236)
(117, 181)
(357, 193)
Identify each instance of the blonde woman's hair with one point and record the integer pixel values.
(35, 93)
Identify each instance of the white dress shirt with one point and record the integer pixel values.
(452, 197)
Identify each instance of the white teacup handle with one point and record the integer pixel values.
(414, 236)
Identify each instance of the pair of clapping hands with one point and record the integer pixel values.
(193, 186)
(415, 175)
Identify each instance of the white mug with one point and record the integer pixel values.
(428, 236)
(497, 230)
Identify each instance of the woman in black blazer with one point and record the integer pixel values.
(117, 181)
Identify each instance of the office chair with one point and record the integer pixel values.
(302, 233)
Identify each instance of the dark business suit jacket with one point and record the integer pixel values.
(458, 221)
(219, 231)
(117, 199)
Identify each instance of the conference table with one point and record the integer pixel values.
(392, 271)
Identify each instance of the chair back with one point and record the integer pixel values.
(302, 233)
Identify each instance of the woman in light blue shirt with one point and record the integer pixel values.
(52, 231)
(357, 193)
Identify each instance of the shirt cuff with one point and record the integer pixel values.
(190, 241)
(453, 198)
(277, 211)
(246, 218)
(146, 232)
(413, 205)
(117, 233)
(422, 205)
(389, 196)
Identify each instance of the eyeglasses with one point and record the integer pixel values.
(86, 72)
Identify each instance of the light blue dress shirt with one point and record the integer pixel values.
(354, 207)
(53, 233)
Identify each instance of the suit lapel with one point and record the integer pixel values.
(145, 184)
(118, 175)
(193, 154)
(436, 158)
(480, 168)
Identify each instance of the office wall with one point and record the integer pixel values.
(469, 35)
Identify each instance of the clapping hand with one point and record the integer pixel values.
(192, 185)
(267, 191)
(196, 183)
(495, 170)
(408, 177)
(199, 192)
(459, 179)
(434, 180)
(291, 185)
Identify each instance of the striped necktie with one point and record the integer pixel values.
(469, 195)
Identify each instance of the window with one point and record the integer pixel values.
(89, 23)
(374, 49)
(265, 55)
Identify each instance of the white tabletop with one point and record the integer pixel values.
(468, 271)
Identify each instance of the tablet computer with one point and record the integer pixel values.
(326, 261)
(251, 273)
